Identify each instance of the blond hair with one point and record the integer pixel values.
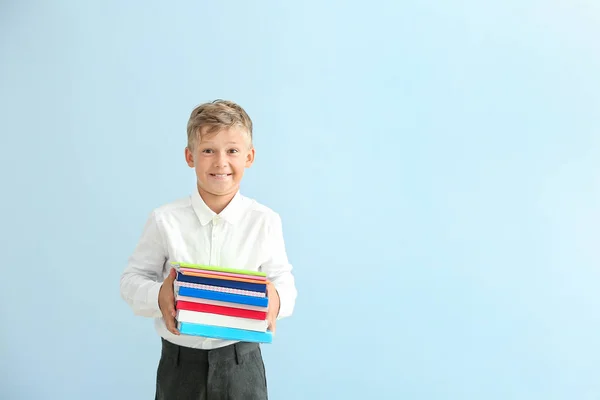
(215, 116)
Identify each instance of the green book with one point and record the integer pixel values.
(218, 269)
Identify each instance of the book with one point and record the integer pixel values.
(225, 333)
(225, 297)
(229, 277)
(221, 289)
(206, 318)
(218, 269)
(255, 287)
(200, 300)
(219, 309)
(243, 277)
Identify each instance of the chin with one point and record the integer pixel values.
(218, 191)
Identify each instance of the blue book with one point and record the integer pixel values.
(219, 332)
(255, 287)
(227, 297)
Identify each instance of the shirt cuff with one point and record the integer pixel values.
(287, 300)
(153, 300)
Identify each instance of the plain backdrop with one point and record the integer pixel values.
(435, 164)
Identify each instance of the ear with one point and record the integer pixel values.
(189, 157)
(250, 157)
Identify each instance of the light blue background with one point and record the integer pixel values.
(436, 166)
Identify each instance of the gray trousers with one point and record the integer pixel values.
(231, 372)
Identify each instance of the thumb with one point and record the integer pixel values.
(172, 275)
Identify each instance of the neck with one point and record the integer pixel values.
(217, 203)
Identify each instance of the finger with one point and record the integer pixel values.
(173, 329)
(171, 326)
(171, 302)
(169, 318)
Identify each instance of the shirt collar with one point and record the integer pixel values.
(231, 213)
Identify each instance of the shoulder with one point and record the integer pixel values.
(176, 207)
(260, 212)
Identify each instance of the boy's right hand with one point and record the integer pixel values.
(166, 302)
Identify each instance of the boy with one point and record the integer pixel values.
(217, 226)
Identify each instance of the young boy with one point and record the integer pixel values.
(216, 226)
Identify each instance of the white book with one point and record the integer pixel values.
(220, 303)
(196, 317)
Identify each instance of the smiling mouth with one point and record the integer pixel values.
(220, 175)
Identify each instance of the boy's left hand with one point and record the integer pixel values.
(273, 308)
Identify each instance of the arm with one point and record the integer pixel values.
(278, 268)
(142, 279)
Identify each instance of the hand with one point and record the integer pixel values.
(273, 309)
(166, 302)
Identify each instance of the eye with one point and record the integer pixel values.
(234, 151)
(208, 151)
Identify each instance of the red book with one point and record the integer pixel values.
(221, 310)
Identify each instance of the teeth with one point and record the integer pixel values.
(220, 175)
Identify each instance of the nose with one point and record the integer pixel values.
(220, 160)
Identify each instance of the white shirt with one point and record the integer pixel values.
(245, 235)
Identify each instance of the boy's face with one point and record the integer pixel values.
(220, 160)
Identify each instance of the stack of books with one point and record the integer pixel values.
(222, 303)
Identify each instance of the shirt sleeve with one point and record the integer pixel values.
(278, 268)
(142, 278)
